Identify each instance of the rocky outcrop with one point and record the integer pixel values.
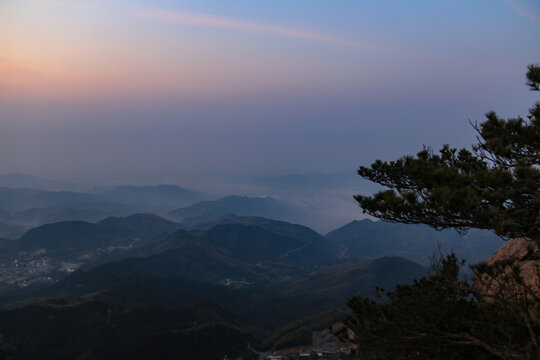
(513, 274)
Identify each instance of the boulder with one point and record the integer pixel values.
(517, 256)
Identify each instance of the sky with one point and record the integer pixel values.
(187, 92)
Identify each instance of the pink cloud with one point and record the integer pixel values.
(193, 19)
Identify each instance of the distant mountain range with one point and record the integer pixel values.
(230, 250)
(28, 201)
(74, 238)
(236, 247)
(372, 239)
(237, 272)
(207, 211)
(158, 196)
(51, 214)
(18, 199)
(236, 281)
(171, 196)
(238, 252)
(50, 252)
(24, 208)
(277, 267)
(317, 246)
(17, 180)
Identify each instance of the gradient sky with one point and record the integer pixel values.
(182, 91)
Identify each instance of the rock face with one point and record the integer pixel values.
(514, 249)
(518, 253)
(525, 254)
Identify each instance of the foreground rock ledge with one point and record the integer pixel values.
(517, 253)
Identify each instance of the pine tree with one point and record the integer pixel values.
(496, 186)
(442, 316)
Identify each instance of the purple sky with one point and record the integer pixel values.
(163, 91)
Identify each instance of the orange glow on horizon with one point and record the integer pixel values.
(14, 66)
